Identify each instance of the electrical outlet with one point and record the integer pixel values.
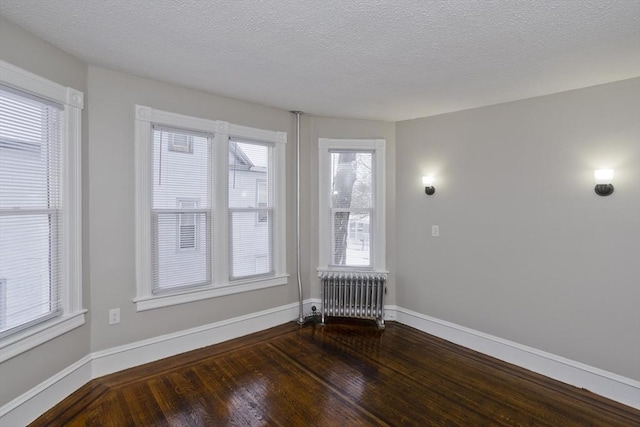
(435, 230)
(114, 316)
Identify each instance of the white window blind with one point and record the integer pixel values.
(181, 209)
(251, 215)
(352, 202)
(31, 268)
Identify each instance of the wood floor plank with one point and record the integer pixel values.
(283, 391)
(533, 389)
(71, 407)
(346, 373)
(380, 389)
(143, 406)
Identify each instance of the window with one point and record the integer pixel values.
(352, 231)
(249, 195)
(207, 224)
(40, 256)
(179, 183)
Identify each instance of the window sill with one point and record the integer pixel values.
(20, 342)
(158, 301)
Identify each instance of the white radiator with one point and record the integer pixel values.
(353, 294)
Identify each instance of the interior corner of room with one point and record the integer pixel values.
(496, 226)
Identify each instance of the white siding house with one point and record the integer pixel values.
(178, 188)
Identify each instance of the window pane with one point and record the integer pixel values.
(182, 254)
(30, 201)
(29, 288)
(249, 164)
(251, 246)
(351, 179)
(180, 174)
(351, 238)
(251, 208)
(182, 179)
(352, 202)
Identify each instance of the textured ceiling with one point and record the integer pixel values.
(390, 60)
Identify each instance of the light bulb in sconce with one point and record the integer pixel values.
(427, 181)
(604, 179)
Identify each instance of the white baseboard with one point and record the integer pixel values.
(30, 405)
(123, 357)
(390, 312)
(27, 407)
(598, 381)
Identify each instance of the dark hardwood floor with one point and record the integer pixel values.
(341, 374)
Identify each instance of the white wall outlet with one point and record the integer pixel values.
(114, 316)
(435, 230)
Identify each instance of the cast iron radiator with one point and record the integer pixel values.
(353, 294)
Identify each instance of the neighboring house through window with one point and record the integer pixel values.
(181, 208)
(249, 199)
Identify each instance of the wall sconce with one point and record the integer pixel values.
(603, 181)
(427, 181)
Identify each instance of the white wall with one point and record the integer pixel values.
(527, 251)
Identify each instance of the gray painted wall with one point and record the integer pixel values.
(527, 251)
(31, 53)
(112, 215)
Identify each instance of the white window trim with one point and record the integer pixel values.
(72, 311)
(145, 118)
(325, 145)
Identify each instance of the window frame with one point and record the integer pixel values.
(377, 224)
(72, 314)
(221, 284)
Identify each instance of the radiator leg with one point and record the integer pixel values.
(323, 292)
